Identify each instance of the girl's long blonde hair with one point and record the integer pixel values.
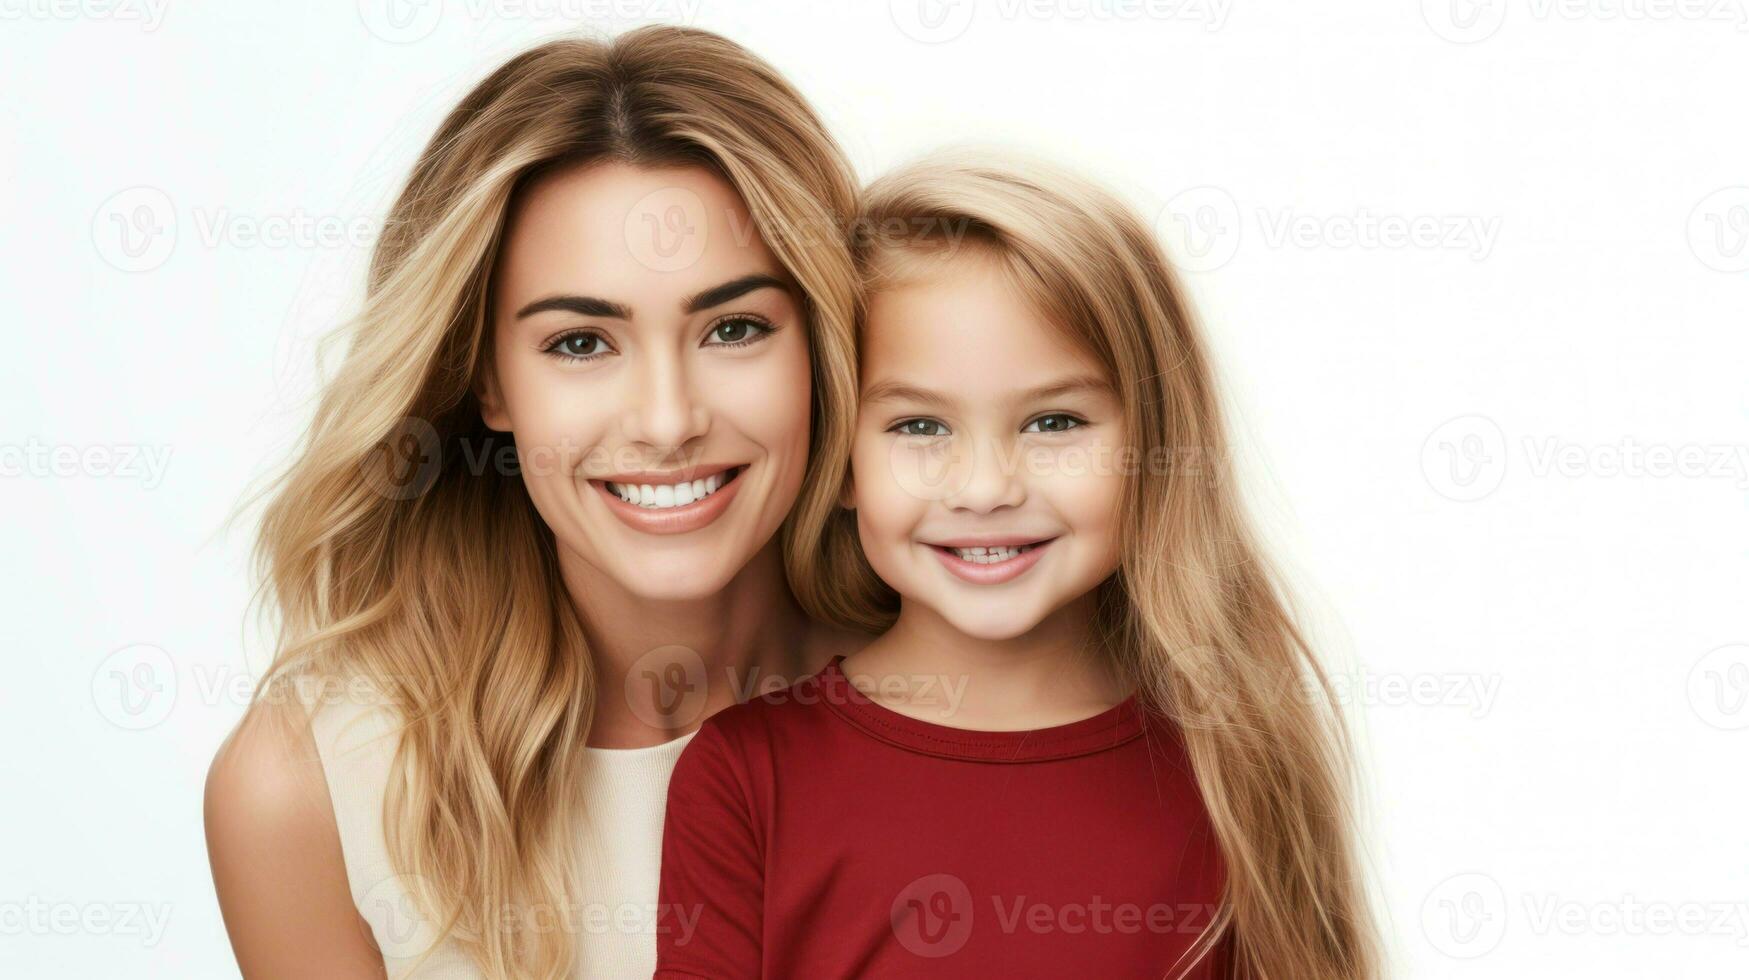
(386, 550)
(1193, 614)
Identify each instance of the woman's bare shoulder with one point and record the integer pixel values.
(275, 851)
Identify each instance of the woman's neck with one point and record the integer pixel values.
(1052, 674)
(663, 666)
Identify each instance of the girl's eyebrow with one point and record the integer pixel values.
(900, 391)
(1081, 384)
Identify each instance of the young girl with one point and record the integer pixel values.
(1082, 746)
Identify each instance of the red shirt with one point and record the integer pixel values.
(813, 833)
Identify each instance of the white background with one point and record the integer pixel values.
(1506, 461)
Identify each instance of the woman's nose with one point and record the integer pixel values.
(665, 412)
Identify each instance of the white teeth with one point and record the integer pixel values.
(990, 556)
(665, 495)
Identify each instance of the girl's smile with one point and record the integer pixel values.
(991, 561)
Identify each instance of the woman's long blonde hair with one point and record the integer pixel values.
(1193, 614)
(388, 553)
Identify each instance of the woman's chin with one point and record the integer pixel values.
(676, 577)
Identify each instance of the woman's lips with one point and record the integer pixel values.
(988, 572)
(673, 520)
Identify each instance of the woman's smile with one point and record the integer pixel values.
(657, 503)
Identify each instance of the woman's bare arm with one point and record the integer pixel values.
(276, 858)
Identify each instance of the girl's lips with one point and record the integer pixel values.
(992, 573)
(673, 520)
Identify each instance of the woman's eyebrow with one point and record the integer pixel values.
(733, 289)
(702, 300)
(582, 305)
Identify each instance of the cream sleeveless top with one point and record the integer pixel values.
(623, 803)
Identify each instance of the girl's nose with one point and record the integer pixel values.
(990, 483)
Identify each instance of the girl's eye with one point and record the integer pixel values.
(579, 346)
(737, 331)
(1053, 423)
(920, 427)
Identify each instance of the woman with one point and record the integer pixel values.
(533, 537)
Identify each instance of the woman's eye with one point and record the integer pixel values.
(736, 330)
(920, 427)
(579, 345)
(1053, 423)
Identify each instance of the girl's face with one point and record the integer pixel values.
(985, 471)
(650, 357)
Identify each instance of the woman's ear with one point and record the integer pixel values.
(491, 399)
(847, 491)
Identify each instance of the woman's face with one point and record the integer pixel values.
(651, 358)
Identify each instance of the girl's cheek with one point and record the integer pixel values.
(867, 478)
(886, 514)
(1085, 484)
